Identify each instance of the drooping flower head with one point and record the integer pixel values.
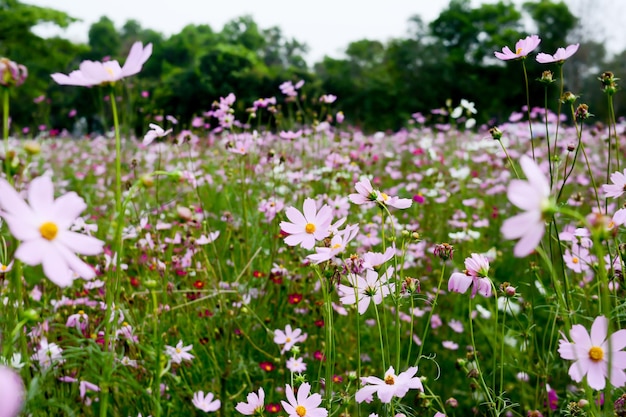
(366, 194)
(559, 56)
(532, 196)
(594, 352)
(12, 73)
(476, 272)
(44, 229)
(91, 73)
(522, 48)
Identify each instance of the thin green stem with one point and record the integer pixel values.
(530, 126)
(430, 315)
(5, 132)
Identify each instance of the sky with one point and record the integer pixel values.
(326, 26)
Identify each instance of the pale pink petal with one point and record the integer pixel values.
(599, 330)
(385, 393)
(303, 392)
(41, 194)
(535, 176)
(310, 210)
(66, 209)
(524, 195)
(530, 240)
(56, 269)
(517, 226)
(459, 282)
(79, 243)
(290, 397)
(11, 202)
(22, 227)
(31, 252)
(596, 375)
(618, 377)
(578, 369)
(295, 216)
(365, 394)
(618, 341)
(76, 264)
(137, 56)
(580, 337)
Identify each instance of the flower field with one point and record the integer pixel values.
(228, 268)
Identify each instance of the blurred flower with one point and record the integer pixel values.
(155, 131)
(43, 227)
(328, 98)
(92, 73)
(205, 402)
(533, 196)
(254, 404)
(11, 73)
(618, 186)
(304, 405)
(391, 386)
(296, 365)
(288, 338)
(593, 354)
(476, 272)
(560, 55)
(11, 392)
(522, 48)
(179, 353)
(366, 194)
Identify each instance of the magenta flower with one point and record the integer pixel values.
(43, 228)
(522, 48)
(254, 405)
(560, 55)
(304, 405)
(391, 386)
(205, 402)
(618, 186)
(11, 392)
(594, 353)
(305, 228)
(92, 73)
(533, 196)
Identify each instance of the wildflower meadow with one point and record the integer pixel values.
(286, 263)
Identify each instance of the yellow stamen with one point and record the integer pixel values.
(48, 230)
(518, 51)
(309, 228)
(301, 411)
(336, 246)
(575, 260)
(596, 353)
(390, 380)
(384, 196)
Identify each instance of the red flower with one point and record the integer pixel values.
(268, 367)
(198, 284)
(257, 274)
(273, 408)
(134, 281)
(295, 298)
(319, 322)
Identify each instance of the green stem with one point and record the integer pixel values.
(430, 315)
(5, 132)
(530, 126)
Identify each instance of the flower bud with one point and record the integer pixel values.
(32, 147)
(11, 73)
(496, 133)
(547, 77)
(444, 251)
(582, 112)
(568, 97)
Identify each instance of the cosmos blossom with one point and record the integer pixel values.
(476, 272)
(91, 73)
(522, 48)
(304, 405)
(390, 386)
(155, 131)
(366, 194)
(254, 405)
(532, 196)
(617, 187)
(594, 352)
(43, 229)
(205, 402)
(560, 55)
(307, 227)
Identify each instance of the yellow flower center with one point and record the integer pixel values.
(390, 380)
(518, 51)
(287, 339)
(384, 196)
(178, 350)
(109, 70)
(596, 353)
(48, 230)
(309, 228)
(301, 411)
(336, 246)
(575, 260)
(3, 268)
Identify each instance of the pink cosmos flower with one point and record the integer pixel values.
(618, 186)
(307, 227)
(155, 131)
(304, 405)
(205, 402)
(179, 353)
(11, 392)
(522, 48)
(363, 290)
(533, 196)
(296, 365)
(560, 55)
(578, 259)
(92, 73)
(366, 194)
(43, 227)
(288, 338)
(337, 245)
(254, 405)
(476, 272)
(391, 386)
(592, 355)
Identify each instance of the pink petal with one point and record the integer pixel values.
(535, 176)
(309, 210)
(66, 209)
(523, 195)
(76, 264)
(618, 377)
(11, 202)
(580, 337)
(578, 369)
(530, 240)
(56, 269)
(32, 251)
(22, 227)
(618, 341)
(295, 216)
(290, 397)
(598, 330)
(596, 375)
(517, 226)
(459, 282)
(41, 194)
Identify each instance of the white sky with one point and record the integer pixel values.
(326, 26)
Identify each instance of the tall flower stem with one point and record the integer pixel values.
(113, 284)
(5, 132)
(530, 125)
(430, 315)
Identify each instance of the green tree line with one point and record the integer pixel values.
(379, 84)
